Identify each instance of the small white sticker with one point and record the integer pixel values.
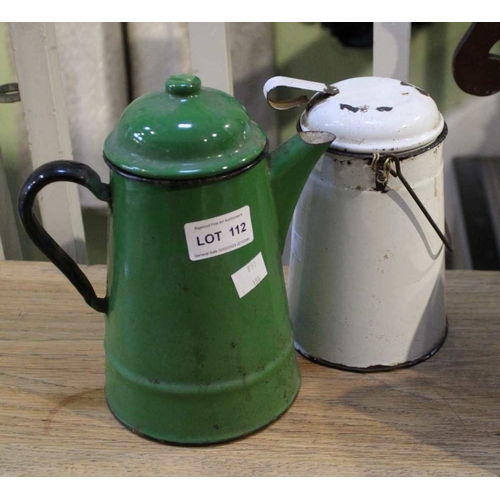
(249, 276)
(218, 235)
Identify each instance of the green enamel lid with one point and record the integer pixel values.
(185, 132)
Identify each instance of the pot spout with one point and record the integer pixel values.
(290, 166)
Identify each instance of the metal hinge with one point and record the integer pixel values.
(9, 93)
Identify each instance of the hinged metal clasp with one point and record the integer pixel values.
(382, 167)
(9, 93)
(382, 170)
(295, 83)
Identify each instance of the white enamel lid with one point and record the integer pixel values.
(373, 114)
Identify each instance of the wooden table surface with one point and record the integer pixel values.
(441, 417)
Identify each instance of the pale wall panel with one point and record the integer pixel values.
(94, 74)
(156, 51)
(252, 55)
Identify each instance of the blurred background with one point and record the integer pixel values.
(103, 66)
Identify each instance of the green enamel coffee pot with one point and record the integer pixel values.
(198, 339)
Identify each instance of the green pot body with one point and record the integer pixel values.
(187, 360)
(190, 358)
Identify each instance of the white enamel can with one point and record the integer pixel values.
(366, 284)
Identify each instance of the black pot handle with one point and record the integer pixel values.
(68, 171)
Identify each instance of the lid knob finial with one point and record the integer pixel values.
(183, 84)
